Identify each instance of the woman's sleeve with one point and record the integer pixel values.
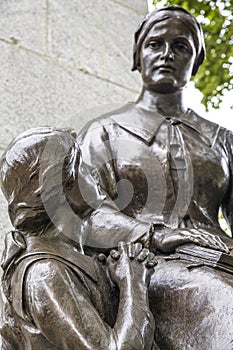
(227, 204)
(105, 225)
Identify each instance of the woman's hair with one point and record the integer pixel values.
(160, 15)
(34, 171)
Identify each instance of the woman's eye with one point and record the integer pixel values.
(181, 46)
(155, 44)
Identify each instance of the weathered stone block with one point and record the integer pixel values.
(98, 37)
(23, 22)
(139, 6)
(37, 92)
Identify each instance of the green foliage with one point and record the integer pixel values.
(216, 17)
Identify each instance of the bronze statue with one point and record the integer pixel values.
(153, 174)
(166, 172)
(55, 297)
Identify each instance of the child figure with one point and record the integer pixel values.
(55, 297)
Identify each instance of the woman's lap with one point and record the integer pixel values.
(192, 306)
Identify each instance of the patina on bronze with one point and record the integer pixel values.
(55, 297)
(158, 174)
(166, 169)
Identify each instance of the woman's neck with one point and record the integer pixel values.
(171, 104)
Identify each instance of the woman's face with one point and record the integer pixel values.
(167, 56)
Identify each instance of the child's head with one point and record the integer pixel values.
(35, 170)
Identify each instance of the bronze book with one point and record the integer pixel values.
(206, 256)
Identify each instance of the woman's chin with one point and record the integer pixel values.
(165, 87)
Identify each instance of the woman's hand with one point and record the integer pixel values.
(131, 263)
(166, 240)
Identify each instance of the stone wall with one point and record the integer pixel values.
(62, 63)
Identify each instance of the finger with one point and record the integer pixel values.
(143, 255)
(151, 261)
(122, 247)
(215, 242)
(220, 244)
(225, 248)
(138, 248)
(211, 241)
(102, 258)
(218, 240)
(115, 254)
(205, 239)
(130, 250)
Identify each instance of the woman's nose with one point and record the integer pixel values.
(168, 54)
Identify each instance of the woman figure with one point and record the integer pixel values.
(54, 296)
(166, 172)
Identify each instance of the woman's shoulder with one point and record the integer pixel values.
(210, 128)
(207, 122)
(202, 122)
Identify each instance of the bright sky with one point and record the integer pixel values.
(222, 116)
